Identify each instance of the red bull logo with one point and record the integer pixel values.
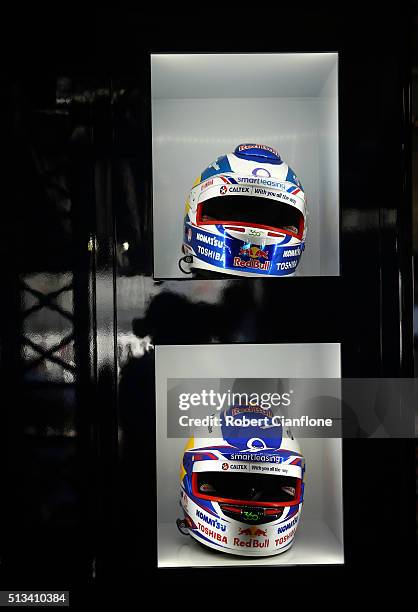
(252, 543)
(251, 263)
(254, 252)
(252, 540)
(253, 532)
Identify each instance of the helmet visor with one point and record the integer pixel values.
(262, 489)
(254, 211)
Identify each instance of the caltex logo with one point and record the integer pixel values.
(225, 466)
(223, 189)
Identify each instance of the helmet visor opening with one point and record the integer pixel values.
(254, 488)
(254, 211)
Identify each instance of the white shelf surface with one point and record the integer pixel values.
(315, 544)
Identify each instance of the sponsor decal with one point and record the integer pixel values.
(212, 534)
(256, 444)
(291, 252)
(251, 543)
(216, 255)
(212, 240)
(259, 187)
(254, 252)
(224, 189)
(225, 466)
(285, 538)
(189, 234)
(263, 182)
(289, 525)
(268, 468)
(261, 172)
(206, 184)
(251, 516)
(283, 197)
(239, 190)
(209, 520)
(286, 265)
(251, 263)
(245, 147)
(253, 457)
(239, 466)
(253, 532)
(269, 194)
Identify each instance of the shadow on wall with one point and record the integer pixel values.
(170, 319)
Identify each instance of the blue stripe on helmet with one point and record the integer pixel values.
(219, 166)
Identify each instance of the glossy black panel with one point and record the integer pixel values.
(366, 308)
(80, 308)
(48, 339)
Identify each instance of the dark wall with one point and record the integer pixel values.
(77, 185)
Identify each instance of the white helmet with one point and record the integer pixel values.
(242, 493)
(245, 215)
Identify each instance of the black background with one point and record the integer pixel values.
(79, 510)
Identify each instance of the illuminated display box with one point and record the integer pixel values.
(319, 538)
(203, 106)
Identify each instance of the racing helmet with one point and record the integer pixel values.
(245, 215)
(242, 493)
